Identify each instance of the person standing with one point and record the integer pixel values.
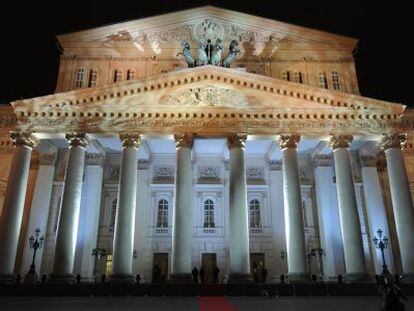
(195, 275)
(216, 272)
(264, 274)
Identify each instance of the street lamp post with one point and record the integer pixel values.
(35, 243)
(381, 243)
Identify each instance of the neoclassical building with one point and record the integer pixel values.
(205, 138)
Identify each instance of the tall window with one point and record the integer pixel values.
(254, 208)
(93, 78)
(298, 77)
(130, 74)
(336, 83)
(162, 219)
(286, 75)
(209, 214)
(113, 215)
(323, 82)
(117, 75)
(80, 76)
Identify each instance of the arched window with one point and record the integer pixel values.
(323, 82)
(162, 218)
(297, 77)
(209, 214)
(80, 76)
(254, 209)
(117, 75)
(336, 83)
(113, 214)
(130, 74)
(286, 75)
(93, 78)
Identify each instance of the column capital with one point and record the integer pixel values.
(77, 139)
(26, 139)
(396, 140)
(236, 140)
(130, 139)
(288, 140)
(184, 140)
(340, 141)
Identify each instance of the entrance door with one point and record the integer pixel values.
(208, 263)
(160, 267)
(257, 263)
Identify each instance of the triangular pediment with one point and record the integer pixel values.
(206, 92)
(204, 23)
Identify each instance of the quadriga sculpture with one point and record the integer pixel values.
(233, 51)
(216, 55)
(187, 54)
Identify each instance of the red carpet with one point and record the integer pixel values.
(215, 304)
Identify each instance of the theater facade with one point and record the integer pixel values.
(206, 138)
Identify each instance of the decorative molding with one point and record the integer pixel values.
(143, 164)
(393, 141)
(207, 96)
(95, 159)
(130, 139)
(322, 160)
(208, 173)
(77, 139)
(184, 140)
(26, 139)
(236, 140)
(255, 173)
(275, 165)
(164, 173)
(288, 141)
(340, 141)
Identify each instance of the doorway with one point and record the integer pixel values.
(160, 268)
(257, 263)
(208, 262)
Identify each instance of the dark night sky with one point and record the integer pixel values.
(385, 61)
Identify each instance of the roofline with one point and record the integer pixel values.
(351, 42)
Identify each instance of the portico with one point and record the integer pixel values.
(226, 163)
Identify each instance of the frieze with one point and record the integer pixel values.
(164, 172)
(275, 165)
(94, 159)
(322, 160)
(255, 173)
(207, 173)
(368, 160)
(143, 164)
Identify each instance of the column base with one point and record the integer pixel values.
(7, 279)
(180, 278)
(358, 278)
(239, 278)
(298, 277)
(61, 279)
(121, 279)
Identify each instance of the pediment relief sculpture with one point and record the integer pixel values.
(208, 96)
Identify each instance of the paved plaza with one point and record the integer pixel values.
(181, 304)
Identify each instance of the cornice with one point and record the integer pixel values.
(113, 108)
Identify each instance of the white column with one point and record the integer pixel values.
(11, 216)
(328, 217)
(89, 215)
(67, 229)
(292, 197)
(376, 213)
(182, 231)
(238, 213)
(39, 211)
(401, 200)
(125, 211)
(348, 209)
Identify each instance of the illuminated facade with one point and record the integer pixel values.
(161, 164)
